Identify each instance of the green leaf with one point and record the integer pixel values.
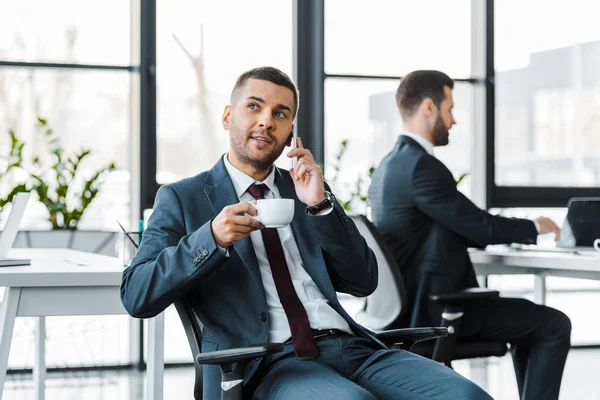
(57, 183)
(460, 178)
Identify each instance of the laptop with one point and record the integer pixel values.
(11, 229)
(582, 225)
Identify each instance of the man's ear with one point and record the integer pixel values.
(225, 118)
(290, 138)
(427, 107)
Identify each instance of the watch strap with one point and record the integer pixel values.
(323, 205)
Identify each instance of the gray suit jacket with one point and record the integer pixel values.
(179, 259)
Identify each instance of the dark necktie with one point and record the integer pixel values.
(302, 338)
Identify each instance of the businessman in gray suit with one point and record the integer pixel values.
(429, 224)
(250, 284)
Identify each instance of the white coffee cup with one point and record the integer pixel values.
(597, 244)
(275, 213)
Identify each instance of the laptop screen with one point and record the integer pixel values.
(583, 217)
(11, 229)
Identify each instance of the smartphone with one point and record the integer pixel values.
(294, 145)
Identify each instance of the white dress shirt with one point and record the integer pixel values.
(428, 146)
(320, 314)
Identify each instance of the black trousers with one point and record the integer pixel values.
(539, 336)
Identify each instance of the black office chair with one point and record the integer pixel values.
(384, 308)
(233, 362)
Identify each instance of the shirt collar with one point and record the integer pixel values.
(426, 144)
(241, 181)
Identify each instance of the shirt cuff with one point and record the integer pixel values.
(325, 212)
(223, 250)
(537, 225)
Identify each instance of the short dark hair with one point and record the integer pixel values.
(419, 85)
(270, 74)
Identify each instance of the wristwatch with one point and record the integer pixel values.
(323, 205)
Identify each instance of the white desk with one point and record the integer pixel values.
(501, 261)
(67, 282)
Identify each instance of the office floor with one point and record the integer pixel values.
(580, 381)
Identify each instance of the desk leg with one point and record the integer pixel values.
(156, 357)
(39, 367)
(136, 355)
(479, 372)
(539, 289)
(8, 314)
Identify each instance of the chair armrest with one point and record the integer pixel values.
(411, 336)
(464, 296)
(240, 354)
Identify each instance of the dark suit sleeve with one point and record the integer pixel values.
(169, 263)
(436, 195)
(351, 264)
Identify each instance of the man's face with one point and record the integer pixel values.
(259, 122)
(444, 120)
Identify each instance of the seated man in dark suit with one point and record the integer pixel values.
(429, 224)
(251, 285)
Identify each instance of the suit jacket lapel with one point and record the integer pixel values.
(309, 248)
(221, 193)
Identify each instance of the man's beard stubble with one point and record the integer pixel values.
(441, 136)
(239, 143)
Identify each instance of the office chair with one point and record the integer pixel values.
(386, 306)
(233, 362)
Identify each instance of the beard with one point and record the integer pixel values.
(441, 136)
(261, 159)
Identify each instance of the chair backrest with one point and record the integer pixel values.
(384, 306)
(193, 330)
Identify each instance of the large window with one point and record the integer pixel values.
(366, 47)
(392, 38)
(68, 62)
(86, 109)
(363, 113)
(202, 47)
(547, 94)
(66, 31)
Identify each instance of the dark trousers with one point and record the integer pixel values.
(352, 368)
(539, 336)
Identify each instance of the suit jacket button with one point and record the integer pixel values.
(263, 316)
(205, 253)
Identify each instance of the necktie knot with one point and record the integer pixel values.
(257, 191)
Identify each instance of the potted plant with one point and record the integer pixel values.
(56, 186)
(356, 200)
(57, 179)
